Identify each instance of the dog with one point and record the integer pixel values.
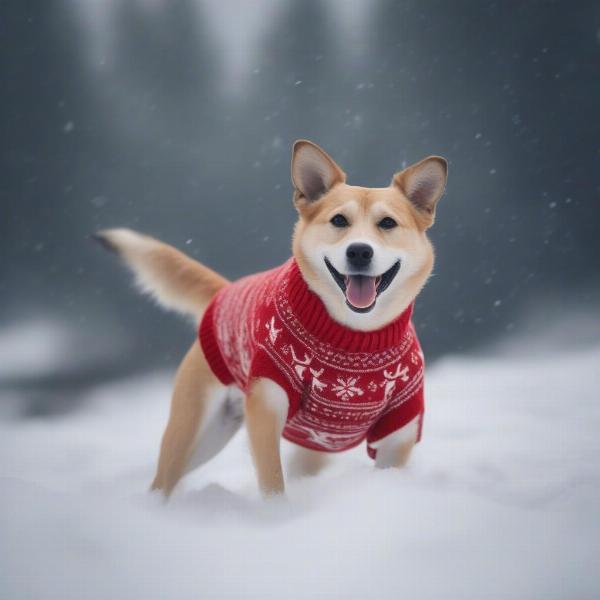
(320, 350)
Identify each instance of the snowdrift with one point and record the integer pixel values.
(500, 500)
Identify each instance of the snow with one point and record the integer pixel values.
(500, 500)
(38, 346)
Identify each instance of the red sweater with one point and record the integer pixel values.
(343, 385)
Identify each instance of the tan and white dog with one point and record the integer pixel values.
(379, 233)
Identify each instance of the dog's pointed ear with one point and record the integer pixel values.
(423, 184)
(314, 172)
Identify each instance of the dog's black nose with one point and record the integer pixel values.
(359, 255)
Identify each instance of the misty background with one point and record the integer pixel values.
(177, 119)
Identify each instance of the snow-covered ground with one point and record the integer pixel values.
(501, 500)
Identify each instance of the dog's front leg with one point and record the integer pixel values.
(394, 450)
(266, 412)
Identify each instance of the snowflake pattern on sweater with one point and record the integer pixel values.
(343, 385)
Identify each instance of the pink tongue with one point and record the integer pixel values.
(361, 290)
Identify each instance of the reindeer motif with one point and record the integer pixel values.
(300, 366)
(273, 331)
(329, 440)
(390, 380)
(316, 384)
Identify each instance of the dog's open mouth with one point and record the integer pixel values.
(361, 291)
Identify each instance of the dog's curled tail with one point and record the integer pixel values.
(175, 280)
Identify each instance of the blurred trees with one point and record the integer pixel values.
(148, 138)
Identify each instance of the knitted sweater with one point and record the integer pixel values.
(343, 385)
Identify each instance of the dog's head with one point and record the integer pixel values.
(364, 251)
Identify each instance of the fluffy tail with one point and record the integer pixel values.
(175, 280)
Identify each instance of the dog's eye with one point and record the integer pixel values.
(339, 221)
(387, 223)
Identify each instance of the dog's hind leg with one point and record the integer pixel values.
(198, 399)
(224, 416)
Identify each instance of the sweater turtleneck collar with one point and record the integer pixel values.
(312, 314)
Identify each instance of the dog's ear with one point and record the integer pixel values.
(314, 172)
(423, 184)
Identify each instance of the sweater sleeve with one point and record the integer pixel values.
(210, 346)
(397, 417)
